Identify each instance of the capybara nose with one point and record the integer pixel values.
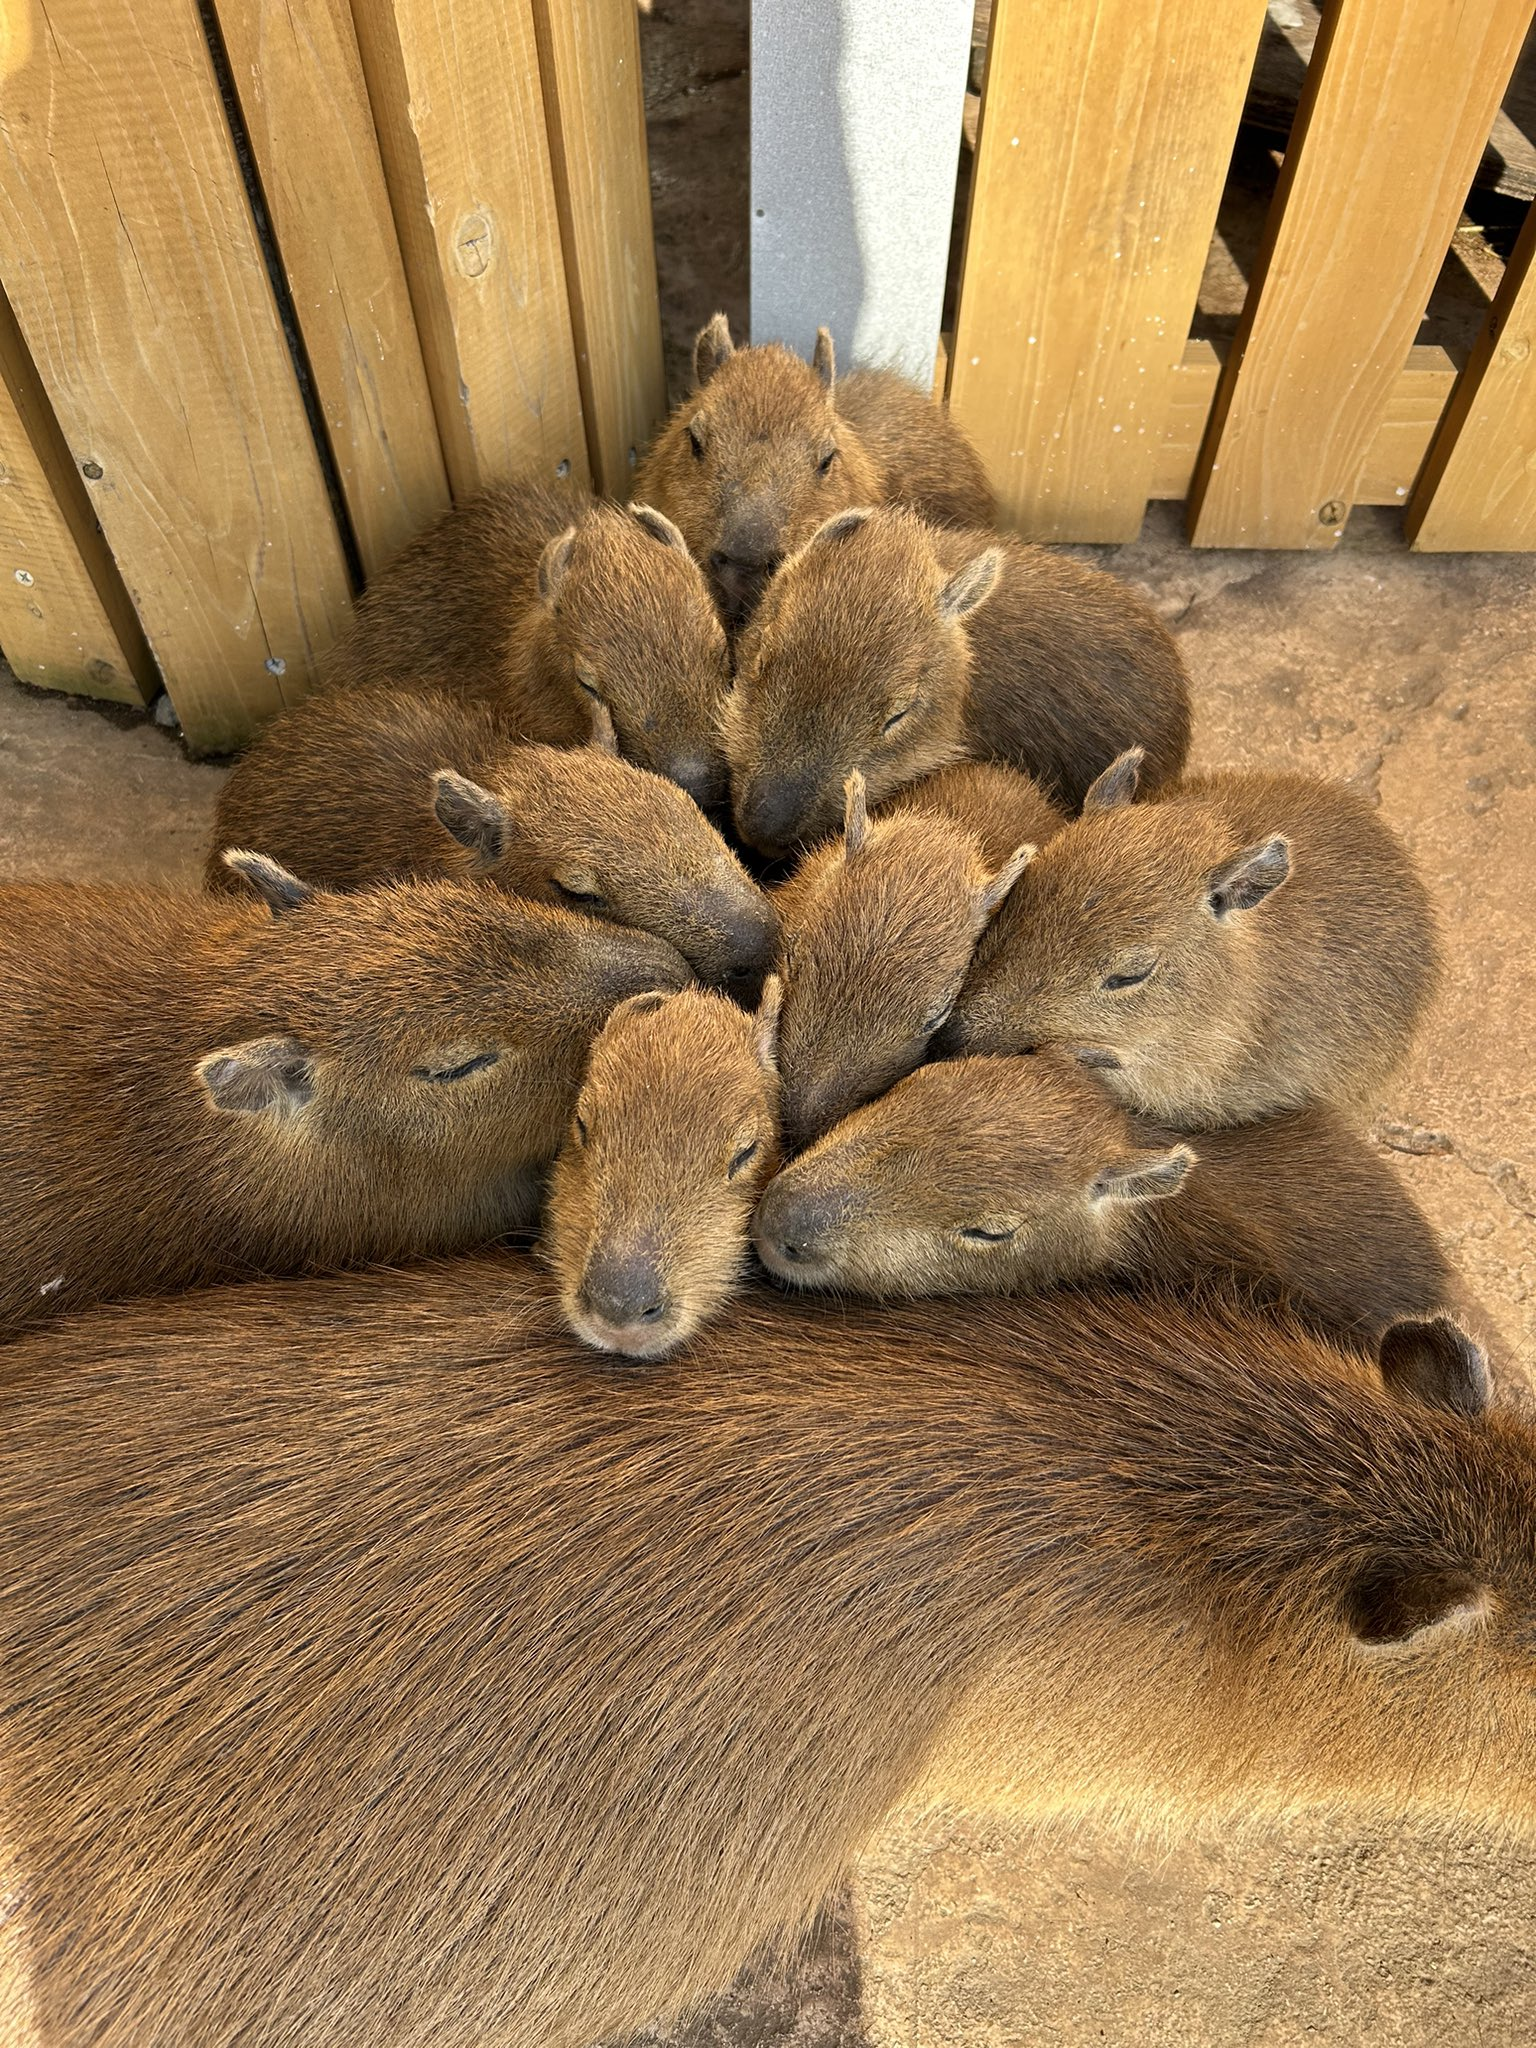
(624, 1289)
(752, 932)
(643, 963)
(704, 780)
(793, 1225)
(771, 814)
(739, 581)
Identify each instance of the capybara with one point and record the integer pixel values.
(994, 1175)
(380, 1668)
(674, 1134)
(768, 446)
(205, 1088)
(879, 928)
(350, 790)
(1242, 944)
(1001, 808)
(543, 602)
(897, 648)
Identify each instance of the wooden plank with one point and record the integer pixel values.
(1106, 130)
(129, 254)
(305, 108)
(1397, 105)
(459, 109)
(65, 619)
(594, 105)
(1414, 405)
(1478, 487)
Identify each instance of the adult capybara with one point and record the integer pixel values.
(895, 648)
(651, 1198)
(202, 1089)
(768, 446)
(379, 1666)
(543, 603)
(993, 1175)
(1241, 944)
(879, 928)
(391, 785)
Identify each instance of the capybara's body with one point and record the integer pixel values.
(896, 648)
(380, 1669)
(1001, 808)
(201, 1090)
(1244, 943)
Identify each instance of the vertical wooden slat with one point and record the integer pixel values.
(300, 85)
(594, 105)
(1396, 108)
(1478, 485)
(65, 619)
(129, 255)
(1106, 129)
(458, 104)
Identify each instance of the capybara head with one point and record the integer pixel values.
(754, 460)
(876, 949)
(857, 658)
(971, 1176)
(428, 1027)
(579, 827)
(633, 622)
(674, 1134)
(1129, 942)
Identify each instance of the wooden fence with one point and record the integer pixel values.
(279, 276)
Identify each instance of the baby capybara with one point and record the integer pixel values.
(879, 928)
(897, 648)
(993, 1175)
(349, 790)
(378, 1666)
(768, 446)
(1242, 944)
(674, 1133)
(203, 1088)
(543, 603)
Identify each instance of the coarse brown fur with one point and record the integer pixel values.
(341, 790)
(879, 928)
(651, 1198)
(200, 1089)
(897, 648)
(1001, 808)
(381, 1669)
(768, 446)
(1287, 943)
(994, 1175)
(541, 602)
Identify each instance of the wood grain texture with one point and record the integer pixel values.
(458, 105)
(65, 619)
(594, 107)
(1396, 108)
(1478, 487)
(300, 84)
(128, 252)
(1106, 128)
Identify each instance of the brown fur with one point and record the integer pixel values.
(381, 1670)
(200, 1090)
(541, 602)
(341, 790)
(1000, 807)
(764, 423)
(1312, 992)
(879, 928)
(1011, 1175)
(896, 648)
(674, 1134)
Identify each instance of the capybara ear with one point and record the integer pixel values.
(824, 358)
(711, 348)
(993, 894)
(641, 1005)
(971, 585)
(279, 890)
(553, 563)
(1143, 1176)
(855, 814)
(1250, 876)
(765, 1024)
(604, 738)
(1431, 1359)
(262, 1076)
(839, 526)
(659, 527)
(1116, 784)
(472, 815)
(1391, 1607)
